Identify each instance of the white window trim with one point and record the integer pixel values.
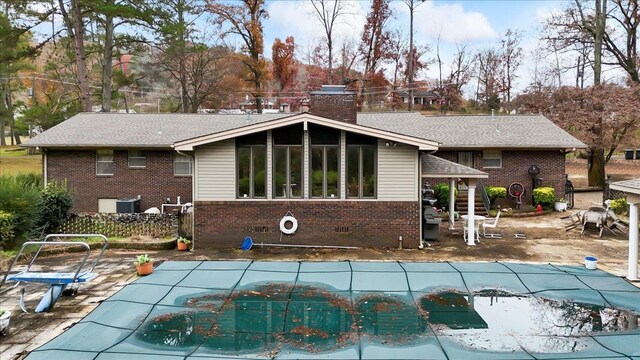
(177, 156)
(143, 156)
(104, 152)
(498, 156)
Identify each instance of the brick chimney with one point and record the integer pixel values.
(334, 102)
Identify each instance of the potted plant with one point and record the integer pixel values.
(5, 317)
(560, 205)
(144, 264)
(183, 244)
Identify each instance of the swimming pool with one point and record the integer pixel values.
(360, 310)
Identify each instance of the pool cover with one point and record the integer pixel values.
(360, 310)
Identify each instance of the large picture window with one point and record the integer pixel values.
(252, 168)
(287, 171)
(325, 172)
(324, 165)
(361, 171)
(104, 162)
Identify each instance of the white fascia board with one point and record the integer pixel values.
(188, 145)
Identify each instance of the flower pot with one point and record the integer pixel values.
(4, 321)
(144, 269)
(183, 246)
(560, 206)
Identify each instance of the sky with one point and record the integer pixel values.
(480, 23)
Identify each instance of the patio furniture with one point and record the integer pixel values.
(594, 219)
(57, 281)
(493, 225)
(477, 220)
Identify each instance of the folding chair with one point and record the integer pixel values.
(491, 225)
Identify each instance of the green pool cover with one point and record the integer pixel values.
(360, 310)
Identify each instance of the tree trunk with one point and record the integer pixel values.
(330, 47)
(75, 29)
(107, 64)
(600, 28)
(411, 60)
(4, 112)
(596, 167)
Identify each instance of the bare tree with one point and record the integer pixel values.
(511, 59)
(488, 66)
(327, 12)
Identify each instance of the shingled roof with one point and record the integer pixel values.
(164, 130)
(476, 131)
(435, 167)
(140, 130)
(630, 186)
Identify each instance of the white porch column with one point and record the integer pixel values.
(452, 202)
(633, 241)
(471, 204)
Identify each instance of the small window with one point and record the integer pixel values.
(182, 165)
(492, 159)
(137, 159)
(104, 162)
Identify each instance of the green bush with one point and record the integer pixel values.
(54, 207)
(6, 227)
(495, 192)
(544, 196)
(21, 197)
(441, 191)
(619, 206)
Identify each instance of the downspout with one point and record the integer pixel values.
(45, 168)
(193, 197)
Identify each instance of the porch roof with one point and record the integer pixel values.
(436, 167)
(628, 186)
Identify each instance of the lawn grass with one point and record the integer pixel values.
(15, 160)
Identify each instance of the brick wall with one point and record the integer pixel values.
(154, 183)
(515, 166)
(224, 224)
(334, 106)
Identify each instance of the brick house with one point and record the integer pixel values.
(347, 178)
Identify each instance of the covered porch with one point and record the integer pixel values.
(632, 188)
(432, 167)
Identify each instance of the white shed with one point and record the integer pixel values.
(632, 188)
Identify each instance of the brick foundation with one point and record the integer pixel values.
(154, 183)
(515, 165)
(224, 224)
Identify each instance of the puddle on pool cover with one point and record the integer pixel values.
(314, 319)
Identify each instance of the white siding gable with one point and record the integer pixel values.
(397, 172)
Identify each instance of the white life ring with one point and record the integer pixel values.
(292, 229)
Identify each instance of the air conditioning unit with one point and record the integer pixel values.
(128, 206)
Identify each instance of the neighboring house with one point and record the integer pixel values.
(420, 97)
(348, 178)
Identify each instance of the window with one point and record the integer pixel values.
(137, 159)
(325, 173)
(324, 179)
(182, 165)
(287, 164)
(361, 170)
(252, 169)
(287, 161)
(104, 162)
(492, 159)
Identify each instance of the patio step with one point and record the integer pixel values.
(461, 204)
